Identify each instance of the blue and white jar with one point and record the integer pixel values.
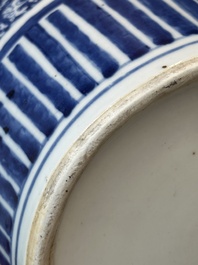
(65, 66)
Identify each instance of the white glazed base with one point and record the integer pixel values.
(136, 202)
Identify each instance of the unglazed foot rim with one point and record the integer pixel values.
(60, 184)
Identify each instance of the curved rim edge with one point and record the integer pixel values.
(48, 214)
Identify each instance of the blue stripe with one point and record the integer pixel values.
(44, 83)
(173, 18)
(62, 60)
(19, 134)
(3, 261)
(5, 243)
(27, 102)
(101, 59)
(102, 21)
(12, 165)
(5, 220)
(33, 20)
(8, 193)
(140, 20)
(189, 6)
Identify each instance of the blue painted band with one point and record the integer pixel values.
(12, 164)
(3, 260)
(189, 6)
(4, 242)
(139, 19)
(172, 17)
(106, 64)
(19, 134)
(26, 101)
(108, 26)
(7, 221)
(42, 81)
(61, 59)
(8, 193)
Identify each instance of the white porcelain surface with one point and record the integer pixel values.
(136, 202)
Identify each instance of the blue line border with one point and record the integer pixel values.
(76, 117)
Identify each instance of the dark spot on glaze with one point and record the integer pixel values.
(164, 66)
(10, 94)
(6, 129)
(193, 153)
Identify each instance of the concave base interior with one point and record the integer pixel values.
(137, 201)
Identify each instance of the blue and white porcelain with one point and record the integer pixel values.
(66, 68)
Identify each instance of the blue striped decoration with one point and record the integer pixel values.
(139, 19)
(46, 85)
(103, 22)
(26, 101)
(4, 242)
(6, 221)
(61, 59)
(12, 164)
(102, 59)
(19, 134)
(189, 6)
(99, 57)
(8, 193)
(173, 18)
(3, 260)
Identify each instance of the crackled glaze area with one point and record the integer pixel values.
(53, 62)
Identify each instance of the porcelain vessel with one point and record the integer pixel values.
(71, 72)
